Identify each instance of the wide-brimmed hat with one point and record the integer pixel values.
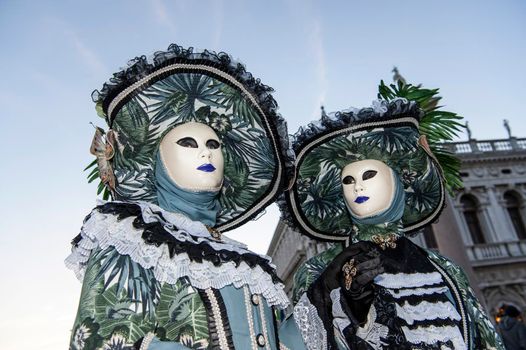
(387, 131)
(149, 97)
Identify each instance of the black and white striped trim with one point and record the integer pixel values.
(218, 324)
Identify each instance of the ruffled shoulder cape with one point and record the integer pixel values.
(174, 246)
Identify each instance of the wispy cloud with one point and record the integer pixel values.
(88, 56)
(219, 16)
(163, 16)
(316, 41)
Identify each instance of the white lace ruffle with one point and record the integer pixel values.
(310, 325)
(341, 320)
(104, 230)
(184, 230)
(426, 310)
(433, 335)
(417, 291)
(407, 280)
(373, 332)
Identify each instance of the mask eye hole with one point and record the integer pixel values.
(187, 142)
(213, 144)
(369, 174)
(348, 180)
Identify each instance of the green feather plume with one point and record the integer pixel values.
(438, 125)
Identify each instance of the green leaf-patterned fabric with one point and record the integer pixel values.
(154, 111)
(144, 101)
(484, 330)
(388, 133)
(121, 302)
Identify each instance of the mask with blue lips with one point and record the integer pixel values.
(374, 196)
(189, 172)
(192, 156)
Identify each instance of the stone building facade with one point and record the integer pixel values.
(482, 227)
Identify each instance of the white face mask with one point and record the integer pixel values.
(191, 154)
(368, 187)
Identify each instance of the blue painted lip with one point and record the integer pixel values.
(361, 199)
(207, 167)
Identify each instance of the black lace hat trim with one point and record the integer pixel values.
(397, 108)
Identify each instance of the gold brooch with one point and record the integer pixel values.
(388, 241)
(349, 271)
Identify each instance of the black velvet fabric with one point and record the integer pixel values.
(405, 258)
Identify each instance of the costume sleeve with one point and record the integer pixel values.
(315, 314)
(122, 302)
(289, 335)
(304, 322)
(483, 333)
(488, 336)
(309, 323)
(310, 270)
(151, 342)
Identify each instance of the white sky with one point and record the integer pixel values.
(55, 53)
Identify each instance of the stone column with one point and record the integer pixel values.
(503, 229)
(451, 245)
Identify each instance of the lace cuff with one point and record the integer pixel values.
(373, 332)
(310, 325)
(341, 320)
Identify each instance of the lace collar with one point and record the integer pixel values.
(174, 246)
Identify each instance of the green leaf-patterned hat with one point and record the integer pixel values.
(387, 131)
(149, 97)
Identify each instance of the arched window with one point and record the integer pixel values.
(513, 205)
(470, 208)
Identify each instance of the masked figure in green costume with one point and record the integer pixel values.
(367, 179)
(194, 148)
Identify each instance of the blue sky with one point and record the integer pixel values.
(54, 53)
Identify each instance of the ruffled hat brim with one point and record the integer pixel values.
(388, 132)
(144, 101)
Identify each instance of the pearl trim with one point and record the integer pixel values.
(146, 341)
(250, 318)
(216, 311)
(264, 325)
